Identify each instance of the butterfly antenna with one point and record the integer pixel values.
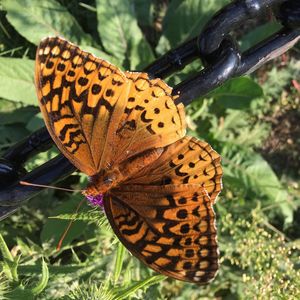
(58, 247)
(48, 186)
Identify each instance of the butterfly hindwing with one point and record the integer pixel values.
(98, 115)
(163, 213)
(186, 161)
(170, 228)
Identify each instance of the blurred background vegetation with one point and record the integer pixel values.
(253, 122)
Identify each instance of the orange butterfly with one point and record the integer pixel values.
(125, 132)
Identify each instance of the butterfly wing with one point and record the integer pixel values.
(186, 161)
(151, 119)
(170, 228)
(164, 213)
(73, 88)
(88, 105)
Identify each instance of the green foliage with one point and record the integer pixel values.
(257, 213)
(10, 267)
(265, 262)
(35, 20)
(184, 19)
(237, 93)
(120, 33)
(16, 72)
(259, 34)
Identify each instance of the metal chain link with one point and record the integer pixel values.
(221, 57)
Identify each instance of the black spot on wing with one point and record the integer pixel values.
(143, 117)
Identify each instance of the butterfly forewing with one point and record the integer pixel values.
(170, 228)
(73, 88)
(152, 112)
(97, 115)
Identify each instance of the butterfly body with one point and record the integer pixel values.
(125, 132)
(113, 176)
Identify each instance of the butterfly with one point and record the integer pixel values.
(125, 131)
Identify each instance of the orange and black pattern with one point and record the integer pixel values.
(171, 229)
(97, 114)
(183, 162)
(124, 130)
(164, 213)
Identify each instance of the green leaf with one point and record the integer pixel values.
(17, 80)
(237, 93)
(235, 129)
(8, 106)
(255, 176)
(36, 19)
(258, 34)
(43, 281)
(10, 264)
(144, 284)
(185, 19)
(119, 262)
(36, 122)
(266, 182)
(4, 250)
(9, 134)
(120, 34)
(91, 215)
(20, 293)
(30, 270)
(144, 12)
(163, 45)
(20, 115)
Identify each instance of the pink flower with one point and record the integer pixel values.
(96, 200)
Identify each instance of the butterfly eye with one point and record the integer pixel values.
(108, 180)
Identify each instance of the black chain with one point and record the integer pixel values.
(222, 60)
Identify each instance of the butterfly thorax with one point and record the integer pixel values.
(107, 179)
(103, 181)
